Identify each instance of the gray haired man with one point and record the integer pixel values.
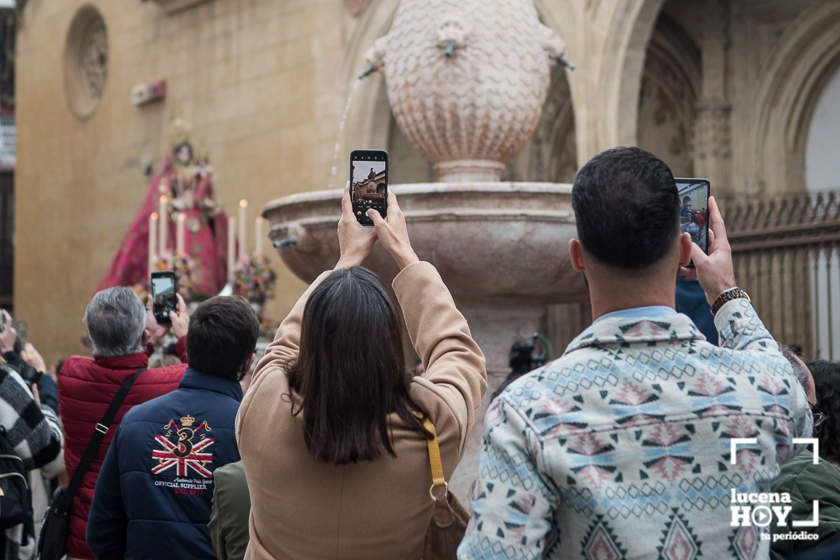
(119, 326)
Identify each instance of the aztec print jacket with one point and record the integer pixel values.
(621, 447)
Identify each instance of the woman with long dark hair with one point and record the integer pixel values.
(330, 431)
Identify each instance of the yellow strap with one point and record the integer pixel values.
(438, 478)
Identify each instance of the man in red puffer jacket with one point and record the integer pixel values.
(119, 326)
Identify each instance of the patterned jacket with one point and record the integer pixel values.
(621, 447)
(34, 433)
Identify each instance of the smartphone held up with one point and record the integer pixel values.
(164, 296)
(368, 183)
(694, 210)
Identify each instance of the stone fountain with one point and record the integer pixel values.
(466, 81)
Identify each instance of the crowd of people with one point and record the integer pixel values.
(621, 447)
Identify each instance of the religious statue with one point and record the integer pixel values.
(179, 221)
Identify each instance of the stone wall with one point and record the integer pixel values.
(258, 80)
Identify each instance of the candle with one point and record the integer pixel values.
(230, 248)
(164, 223)
(258, 240)
(153, 225)
(181, 235)
(243, 205)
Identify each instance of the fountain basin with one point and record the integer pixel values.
(501, 242)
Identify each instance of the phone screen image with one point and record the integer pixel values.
(368, 183)
(163, 295)
(694, 210)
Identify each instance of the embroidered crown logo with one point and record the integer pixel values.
(184, 447)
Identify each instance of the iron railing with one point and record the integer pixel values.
(786, 252)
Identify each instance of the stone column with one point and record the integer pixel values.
(495, 327)
(712, 137)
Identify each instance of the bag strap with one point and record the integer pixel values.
(99, 431)
(435, 463)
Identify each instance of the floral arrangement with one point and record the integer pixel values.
(254, 279)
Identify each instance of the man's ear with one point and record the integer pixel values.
(576, 255)
(247, 367)
(685, 248)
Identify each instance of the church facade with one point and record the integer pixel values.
(744, 92)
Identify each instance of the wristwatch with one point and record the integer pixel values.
(729, 295)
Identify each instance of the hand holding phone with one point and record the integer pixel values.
(392, 233)
(164, 296)
(368, 183)
(714, 270)
(354, 240)
(8, 335)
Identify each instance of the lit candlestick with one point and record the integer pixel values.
(231, 248)
(163, 223)
(181, 235)
(243, 205)
(258, 240)
(153, 225)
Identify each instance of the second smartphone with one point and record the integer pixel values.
(368, 183)
(164, 297)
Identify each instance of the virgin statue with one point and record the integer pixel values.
(182, 187)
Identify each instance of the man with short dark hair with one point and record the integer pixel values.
(154, 492)
(621, 447)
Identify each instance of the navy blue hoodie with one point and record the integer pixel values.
(154, 492)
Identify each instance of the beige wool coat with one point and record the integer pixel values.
(305, 509)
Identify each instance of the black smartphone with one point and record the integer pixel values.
(164, 297)
(368, 183)
(694, 209)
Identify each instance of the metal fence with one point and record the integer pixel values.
(786, 252)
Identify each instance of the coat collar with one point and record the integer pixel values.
(128, 361)
(194, 379)
(618, 330)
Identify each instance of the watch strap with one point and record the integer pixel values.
(728, 295)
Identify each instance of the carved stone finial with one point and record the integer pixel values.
(467, 80)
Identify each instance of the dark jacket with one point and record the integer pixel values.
(86, 386)
(155, 488)
(806, 482)
(691, 301)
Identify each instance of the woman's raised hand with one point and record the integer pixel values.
(392, 232)
(354, 240)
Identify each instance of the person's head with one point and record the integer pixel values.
(827, 411)
(115, 320)
(627, 213)
(802, 373)
(350, 371)
(222, 337)
(184, 153)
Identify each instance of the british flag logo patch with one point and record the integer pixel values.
(184, 447)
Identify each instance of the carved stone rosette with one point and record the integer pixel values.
(467, 80)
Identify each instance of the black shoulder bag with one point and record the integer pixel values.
(53, 540)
